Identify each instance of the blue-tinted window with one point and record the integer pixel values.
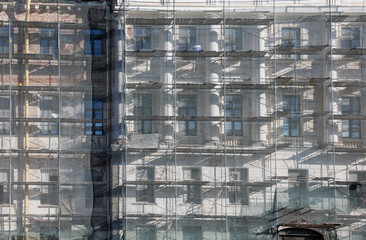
(351, 37)
(94, 111)
(291, 37)
(4, 40)
(142, 37)
(49, 41)
(94, 42)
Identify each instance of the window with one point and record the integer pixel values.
(142, 37)
(233, 39)
(4, 193)
(49, 191)
(238, 194)
(291, 122)
(4, 40)
(291, 37)
(94, 42)
(359, 235)
(96, 175)
(298, 187)
(49, 109)
(351, 128)
(238, 232)
(4, 113)
(143, 108)
(357, 189)
(145, 192)
(187, 108)
(100, 197)
(192, 192)
(351, 37)
(192, 233)
(48, 232)
(187, 38)
(49, 41)
(94, 111)
(89, 195)
(147, 232)
(233, 108)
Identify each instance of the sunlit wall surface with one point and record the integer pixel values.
(54, 83)
(242, 119)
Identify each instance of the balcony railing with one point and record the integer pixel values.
(352, 143)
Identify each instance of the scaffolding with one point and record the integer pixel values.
(182, 119)
(242, 119)
(54, 119)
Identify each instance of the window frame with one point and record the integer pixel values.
(292, 117)
(233, 41)
(186, 41)
(90, 41)
(288, 42)
(298, 186)
(348, 125)
(94, 112)
(49, 192)
(359, 203)
(49, 128)
(4, 187)
(145, 189)
(189, 109)
(230, 126)
(5, 127)
(239, 194)
(44, 234)
(49, 38)
(238, 232)
(192, 193)
(144, 40)
(148, 232)
(188, 234)
(4, 39)
(347, 38)
(143, 108)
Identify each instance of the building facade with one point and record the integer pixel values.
(54, 119)
(242, 119)
(172, 119)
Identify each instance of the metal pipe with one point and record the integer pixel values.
(26, 125)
